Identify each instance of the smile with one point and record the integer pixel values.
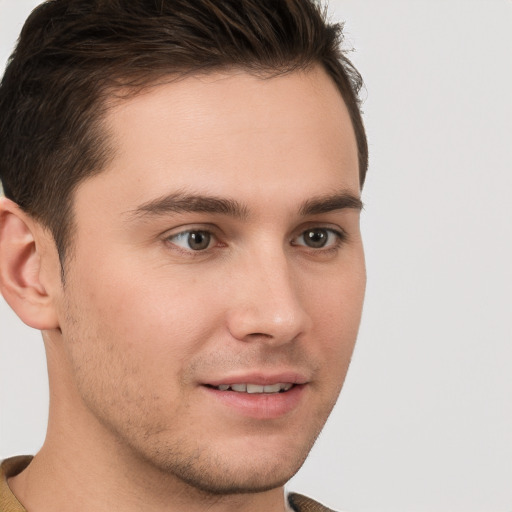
(258, 401)
(279, 387)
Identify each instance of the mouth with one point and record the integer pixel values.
(268, 389)
(264, 399)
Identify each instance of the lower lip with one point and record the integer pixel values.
(259, 405)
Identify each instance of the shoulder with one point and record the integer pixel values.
(300, 503)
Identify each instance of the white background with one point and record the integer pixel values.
(424, 422)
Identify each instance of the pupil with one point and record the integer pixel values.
(316, 238)
(199, 240)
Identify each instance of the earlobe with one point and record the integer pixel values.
(20, 268)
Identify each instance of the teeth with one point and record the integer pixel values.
(274, 388)
(256, 388)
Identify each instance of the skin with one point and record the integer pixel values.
(144, 323)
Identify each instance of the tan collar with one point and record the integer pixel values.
(8, 468)
(302, 503)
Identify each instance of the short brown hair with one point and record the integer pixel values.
(73, 54)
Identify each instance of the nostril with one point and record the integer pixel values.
(260, 335)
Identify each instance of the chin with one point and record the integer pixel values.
(232, 470)
(247, 480)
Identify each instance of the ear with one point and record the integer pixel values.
(22, 249)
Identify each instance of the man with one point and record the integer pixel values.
(181, 222)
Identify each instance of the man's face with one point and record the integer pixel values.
(218, 253)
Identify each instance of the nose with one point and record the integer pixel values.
(266, 303)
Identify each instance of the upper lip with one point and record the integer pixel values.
(259, 378)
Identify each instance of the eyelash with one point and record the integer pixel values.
(340, 237)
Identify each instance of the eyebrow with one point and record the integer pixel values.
(325, 204)
(181, 202)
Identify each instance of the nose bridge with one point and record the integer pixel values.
(266, 303)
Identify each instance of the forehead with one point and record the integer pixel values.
(225, 131)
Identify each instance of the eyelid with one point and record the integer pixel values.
(187, 228)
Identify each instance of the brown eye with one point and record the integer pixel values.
(199, 240)
(192, 240)
(316, 238)
(319, 238)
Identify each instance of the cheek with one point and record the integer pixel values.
(149, 324)
(336, 309)
(129, 346)
(336, 297)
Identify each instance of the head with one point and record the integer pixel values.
(190, 174)
(74, 58)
